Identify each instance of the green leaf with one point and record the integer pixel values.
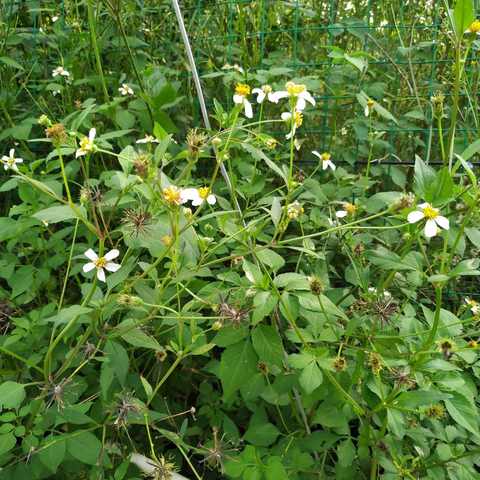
(270, 259)
(262, 435)
(237, 366)
(396, 422)
(67, 314)
(117, 358)
(85, 447)
(53, 453)
(357, 62)
(463, 16)
(275, 470)
(346, 453)
(424, 177)
(471, 150)
(311, 377)
(463, 412)
(135, 336)
(7, 442)
(268, 344)
(12, 394)
(11, 63)
(58, 213)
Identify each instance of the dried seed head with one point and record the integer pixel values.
(137, 221)
(141, 164)
(6, 313)
(231, 314)
(57, 133)
(195, 142)
(161, 355)
(436, 411)
(127, 404)
(375, 362)
(340, 364)
(316, 285)
(446, 346)
(129, 300)
(407, 200)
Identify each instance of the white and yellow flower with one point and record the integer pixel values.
(173, 195)
(265, 91)
(326, 159)
(198, 195)
(60, 71)
(473, 305)
(295, 210)
(10, 162)
(87, 144)
(125, 90)
(349, 209)
(242, 91)
(474, 27)
(369, 106)
(147, 139)
(433, 219)
(101, 263)
(294, 124)
(296, 91)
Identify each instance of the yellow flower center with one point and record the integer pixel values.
(172, 194)
(326, 156)
(267, 88)
(350, 208)
(370, 103)
(298, 119)
(11, 162)
(100, 262)
(85, 144)
(474, 26)
(204, 192)
(295, 89)
(430, 212)
(242, 89)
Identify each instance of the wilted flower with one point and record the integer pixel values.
(86, 144)
(369, 107)
(326, 160)
(10, 162)
(296, 92)
(198, 195)
(60, 71)
(433, 217)
(147, 139)
(473, 305)
(125, 90)
(446, 346)
(101, 263)
(56, 132)
(265, 92)
(294, 210)
(296, 123)
(159, 470)
(340, 364)
(242, 90)
(348, 209)
(375, 362)
(195, 141)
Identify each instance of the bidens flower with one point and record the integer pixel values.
(147, 139)
(296, 92)
(101, 263)
(474, 27)
(294, 210)
(125, 90)
(434, 219)
(326, 160)
(295, 123)
(265, 91)
(369, 107)
(198, 195)
(60, 71)
(242, 90)
(473, 305)
(10, 162)
(173, 195)
(348, 209)
(86, 144)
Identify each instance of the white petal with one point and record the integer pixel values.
(248, 108)
(306, 95)
(211, 199)
(88, 266)
(301, 104)
(91, 255)
(286, 116)
(276, 96)
(424, 205)
(366, 111)
(430, 228)
(80, 153)
(324, 164)
(19, 160)
(238, 99)
(12, 152)
(196, 202)
(442, 222)
(415, 216)
(112, 267)
(5, 166)
(143, 463)
(189, 194)
(101, 274)
(341, 214)
(330, 164)
(91, 134)
(316, 154)
(112, 254)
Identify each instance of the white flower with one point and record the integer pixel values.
(197, 196)
(473, 305)
(434, 220)
(326, 160)
(265, 91)
(86, 144)
(125, 90)
(101, 263)
(296, 123)
(294, 91)
(60, 71)
(10, 162)
(242, 90)
(348, 209)
(147, 139)
(236, 67)
(55, 18)
(56, 92)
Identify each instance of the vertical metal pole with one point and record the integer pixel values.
(201, 98)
